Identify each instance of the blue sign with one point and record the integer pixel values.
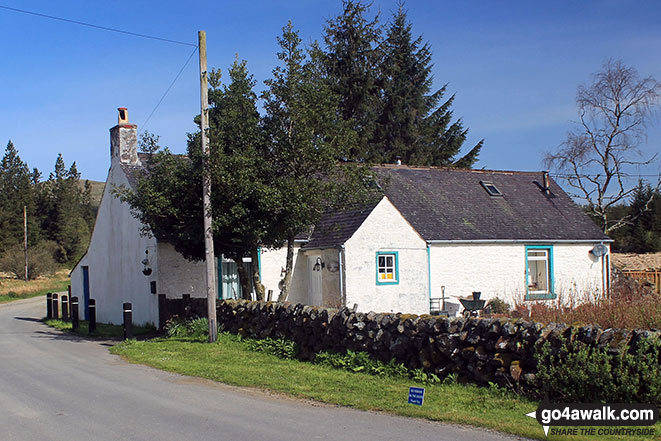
(416, 395)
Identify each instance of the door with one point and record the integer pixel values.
(314, 282)
(86, 291)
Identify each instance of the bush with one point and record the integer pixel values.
(498, 306)
(628, 305)
(572, 374)
(362, 362)
(280, 347)
(40, 260)
(195, 328)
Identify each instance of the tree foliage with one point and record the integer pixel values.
(350, 64)
(16, 191)
(642, 234)
(384, 82)
(596, 158)
(415, 124)
(307, 139)
(59, 215)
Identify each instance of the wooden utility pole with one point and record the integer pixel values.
(25, 239)
(206, 190)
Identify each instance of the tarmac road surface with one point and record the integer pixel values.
(54, 387)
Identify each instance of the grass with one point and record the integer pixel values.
(102, 330)
(15, 289)
(230, 361)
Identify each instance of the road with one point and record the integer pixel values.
(54, 386)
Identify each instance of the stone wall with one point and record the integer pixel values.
(186, 307)
(479, 350)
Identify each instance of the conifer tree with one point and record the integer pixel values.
(16, 191)
(66, 222)
(350, 61)
(415, 124)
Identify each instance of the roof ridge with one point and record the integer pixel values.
(454, 169)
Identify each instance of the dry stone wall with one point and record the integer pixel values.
(478, 350)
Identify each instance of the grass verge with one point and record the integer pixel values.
(230, 361)
(102, 330)
(14, 289)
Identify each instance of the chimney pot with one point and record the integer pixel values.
(123, 116)
(546, 182)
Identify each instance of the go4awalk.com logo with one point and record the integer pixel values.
(563, 419)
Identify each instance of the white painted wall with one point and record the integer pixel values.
(113, 257)
(178, 276)
(386, 230)
(273, 261)
(498, 270)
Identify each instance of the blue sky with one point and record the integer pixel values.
(514, 66)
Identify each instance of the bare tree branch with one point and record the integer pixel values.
(614, 112)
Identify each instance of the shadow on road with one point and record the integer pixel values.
(28, 319)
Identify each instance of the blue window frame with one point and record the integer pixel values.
(387, 268)
(539, 272)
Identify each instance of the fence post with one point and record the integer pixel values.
(69, 292)
(92, 316)
(56, 304)
(128, 321)
(49, 305)
(65, 308)
(74, 313)
(163, 313)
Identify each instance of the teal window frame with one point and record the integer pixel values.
(388, 253)
(550, 295)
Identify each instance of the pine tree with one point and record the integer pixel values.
(16, 191)
(415, 125)
(350, 61)
(66, 221)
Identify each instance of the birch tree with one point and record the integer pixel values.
(599, 155)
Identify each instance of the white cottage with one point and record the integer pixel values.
(436, 233)
(440, 234)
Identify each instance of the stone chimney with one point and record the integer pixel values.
(124, 140)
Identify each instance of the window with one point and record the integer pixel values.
(539, 272)
(491, 188)
(387, 267)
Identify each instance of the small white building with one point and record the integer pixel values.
(435, 234)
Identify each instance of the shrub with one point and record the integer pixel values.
(362, 362)
(628, 305)
(498, 306)
(280, 347)
(572, 374)
(40, 260)
(196, 328)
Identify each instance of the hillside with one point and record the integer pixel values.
(97, 190)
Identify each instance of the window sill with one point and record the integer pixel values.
(541, 296)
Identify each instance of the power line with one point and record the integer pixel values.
(144, 125)
(627, 175)
(104, 28)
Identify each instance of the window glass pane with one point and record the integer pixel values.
(538, 274)
(382, 261)
(389, 261)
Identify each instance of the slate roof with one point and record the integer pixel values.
(133, 172)
(451, 204)
(445, 204)
(335, 229)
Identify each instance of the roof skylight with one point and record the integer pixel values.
(491, 188)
